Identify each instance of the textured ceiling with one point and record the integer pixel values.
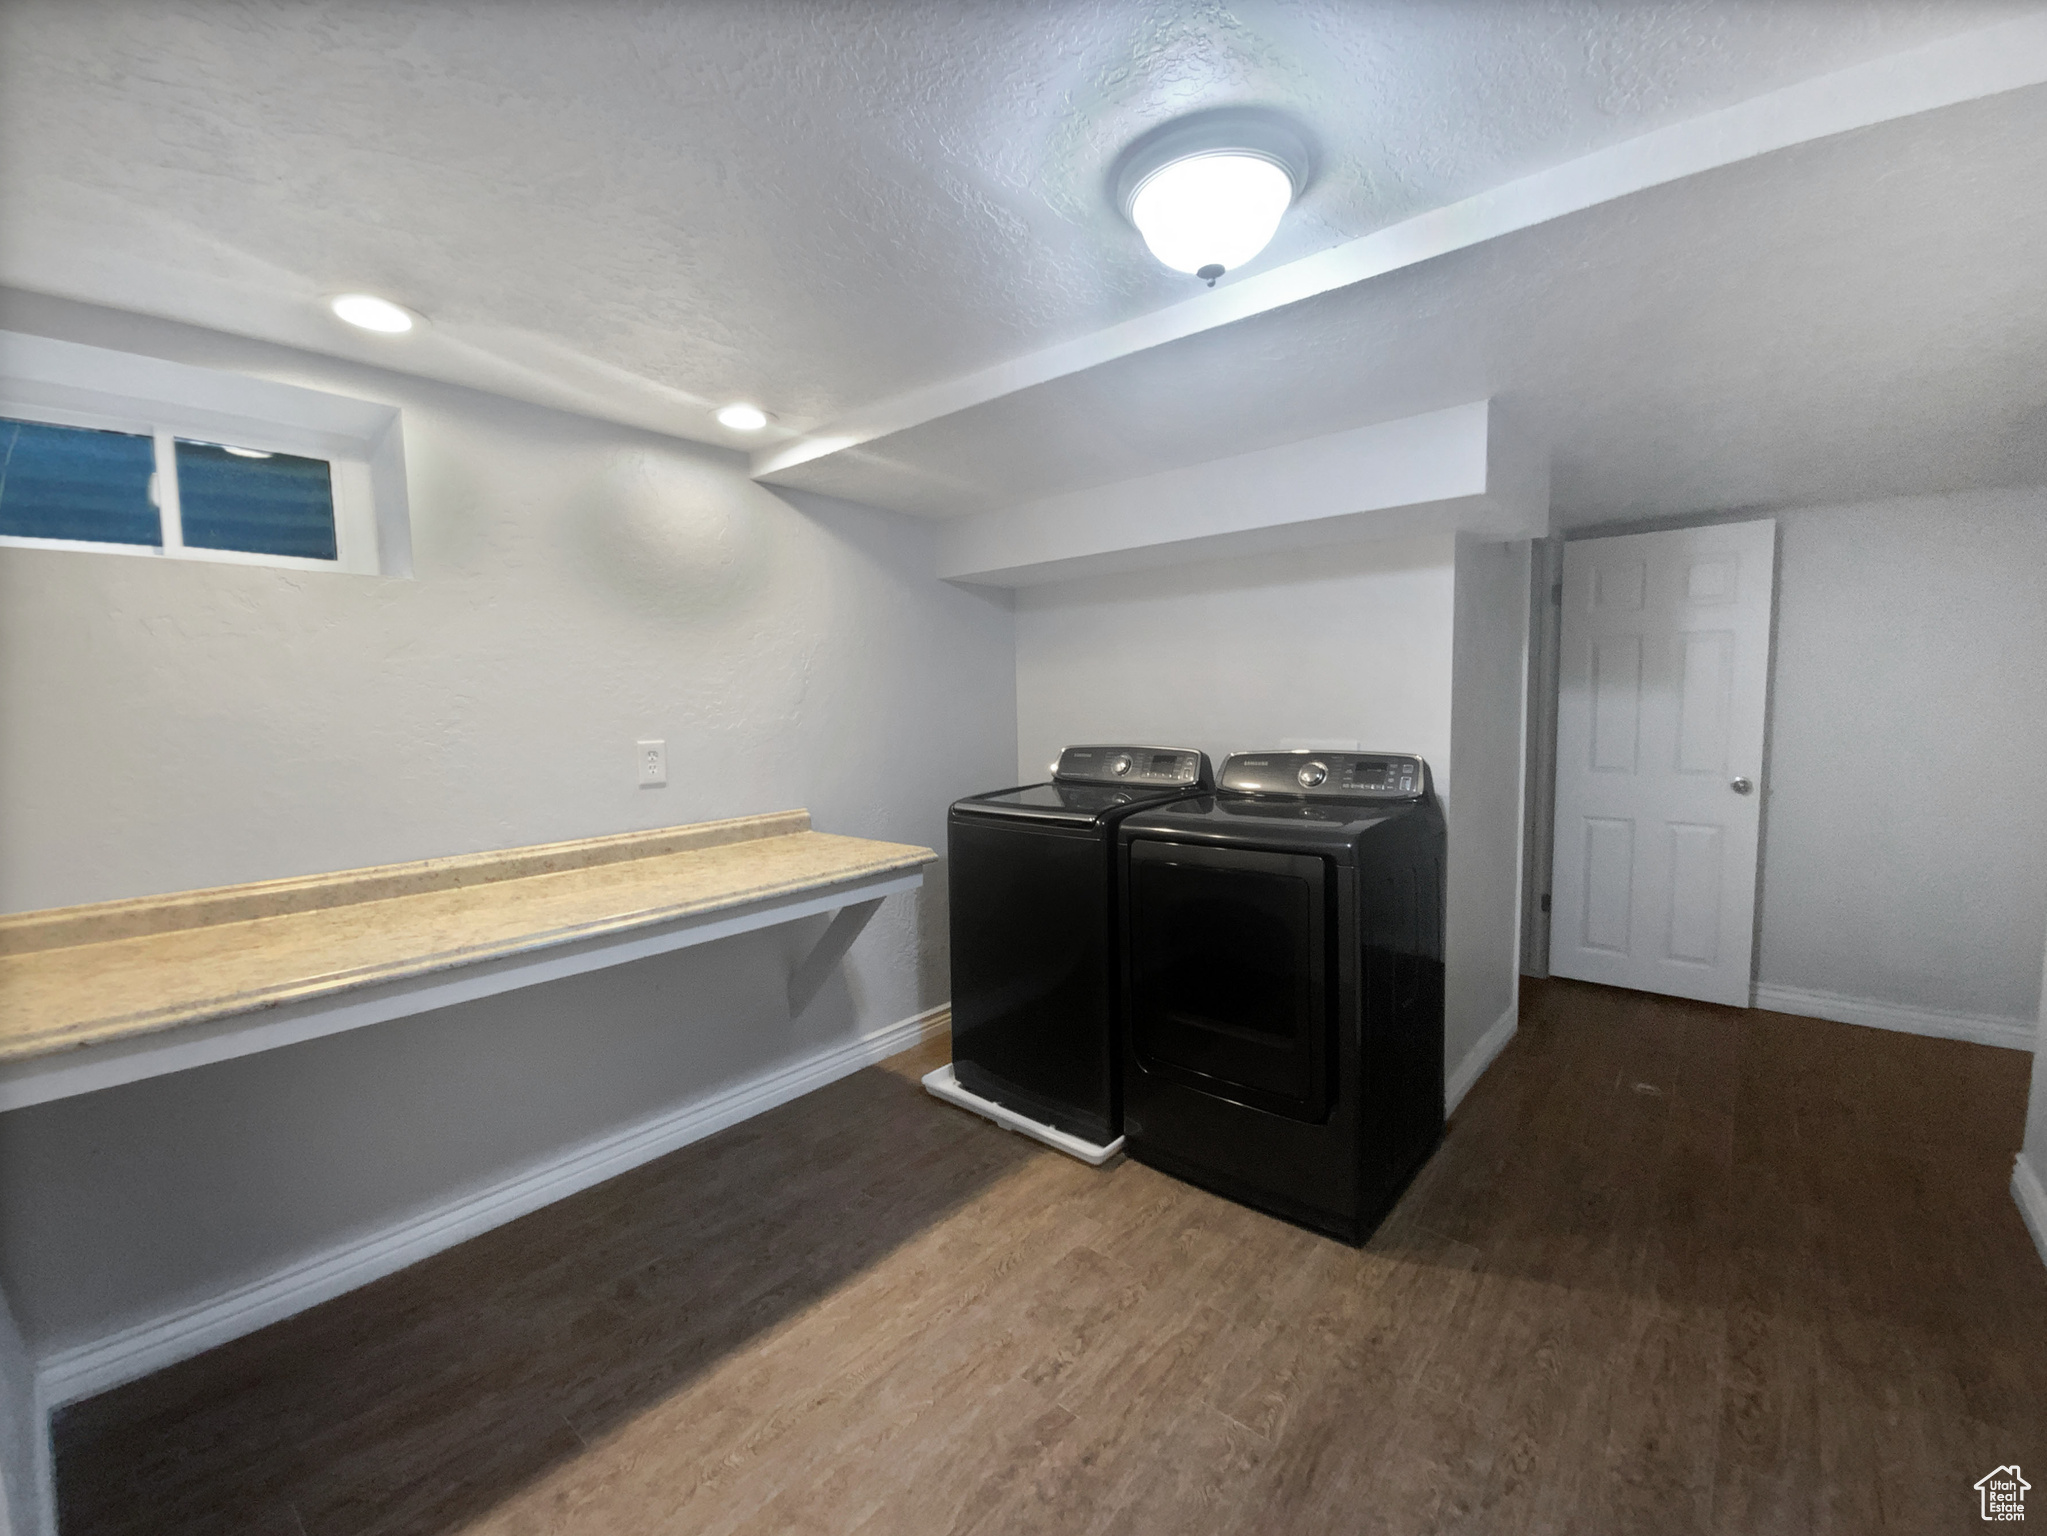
(642, 210)
(1861, 316)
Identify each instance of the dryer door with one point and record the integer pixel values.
(1229, 973)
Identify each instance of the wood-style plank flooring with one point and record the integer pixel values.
(1676, 1268)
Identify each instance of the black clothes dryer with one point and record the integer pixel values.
(1034, 938)
(1283, 984)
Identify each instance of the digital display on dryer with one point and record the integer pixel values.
(1165, 763)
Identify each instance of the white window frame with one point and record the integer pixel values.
(69, 385)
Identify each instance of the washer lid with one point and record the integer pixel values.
(1329, 827)
(1081, 804)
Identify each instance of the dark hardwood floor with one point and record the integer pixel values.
(1676, 1268)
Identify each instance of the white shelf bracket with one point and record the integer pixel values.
(808, 979)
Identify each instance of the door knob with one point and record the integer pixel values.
(1741, 786)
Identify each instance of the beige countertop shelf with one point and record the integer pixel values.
(97, 995)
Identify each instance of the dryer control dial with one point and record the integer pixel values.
(1312, 774)
(1120, 765)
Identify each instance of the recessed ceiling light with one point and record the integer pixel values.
(371, 313)
(742, 418)
(1208, 192)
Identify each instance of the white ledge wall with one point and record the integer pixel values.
(1458, 470)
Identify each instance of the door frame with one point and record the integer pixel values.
(1539, 793)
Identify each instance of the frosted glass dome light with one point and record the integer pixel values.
(1210, 213)
(1207, 191)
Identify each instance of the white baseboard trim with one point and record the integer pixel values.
(84, 1369)
(1479, 1057)
(2012, 1034)
(38, 1508)
(2031, 1196)
(28, 1489)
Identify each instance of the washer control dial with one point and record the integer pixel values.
(1120, 764)
(1312, 774)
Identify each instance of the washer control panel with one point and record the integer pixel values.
(1153, 767)
(1327, 775)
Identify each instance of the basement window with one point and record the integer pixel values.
(77, 484)
(63, 485)
(109, 452)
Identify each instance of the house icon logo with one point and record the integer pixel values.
(2004, 1493)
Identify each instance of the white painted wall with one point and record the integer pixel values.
(1482, 937)
(1354, 643)
(2036, 1104)
(1905, 833)
(579, 586)
(2029, 1178)
(1346, 643)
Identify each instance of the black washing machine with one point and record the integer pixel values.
(1283, 984)
(1034, 938)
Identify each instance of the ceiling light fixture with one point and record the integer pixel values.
(368, 312)
(743, 418)
(1207, 192)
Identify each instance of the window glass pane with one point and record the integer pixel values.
(76, 483)
(263, 504)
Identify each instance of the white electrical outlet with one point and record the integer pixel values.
(653, 757)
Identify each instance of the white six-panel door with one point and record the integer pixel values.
(1662, 682)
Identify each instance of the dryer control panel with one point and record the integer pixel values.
(1327, 775)
(1153, 767)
